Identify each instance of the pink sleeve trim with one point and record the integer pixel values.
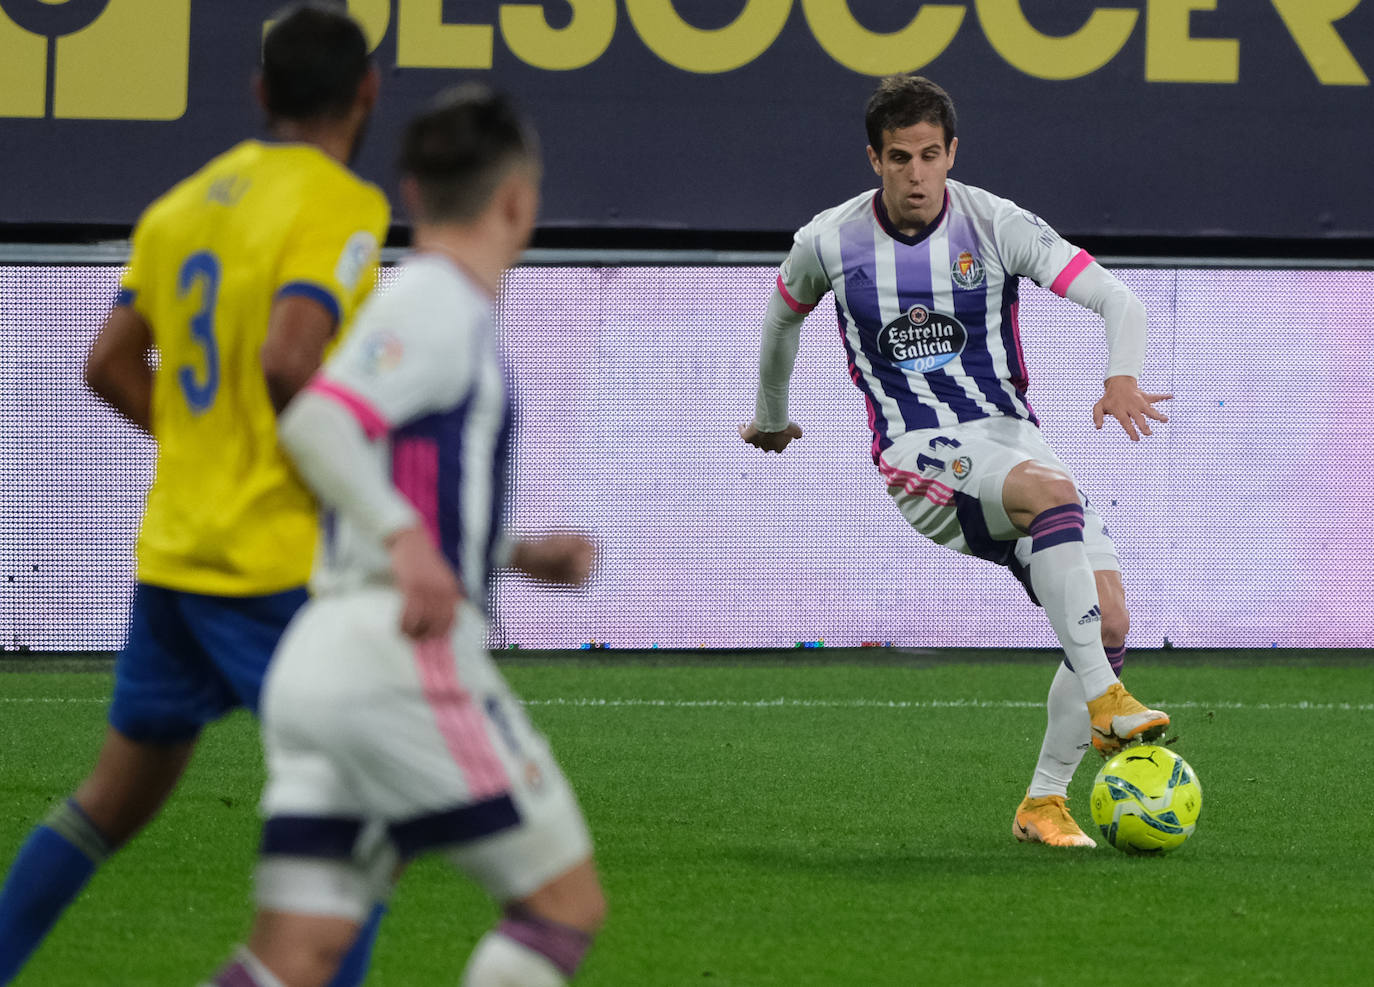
(374, 425)
(1071, 270)
(792, 303)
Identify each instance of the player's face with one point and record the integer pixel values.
(913, 165)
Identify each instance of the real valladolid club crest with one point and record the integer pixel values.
(967, 270)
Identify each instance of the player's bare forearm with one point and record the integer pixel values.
(1133, 408)
(770, 441)
(562, 559)
(117, 367)
(298, 331)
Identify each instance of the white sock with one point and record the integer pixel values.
(501, 962)
(1065, 586)
(1067, 735)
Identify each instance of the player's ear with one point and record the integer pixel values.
(410, 197)
(953, 147)
(510, 200)
(260, 90)
(876, 160)
(518, 202)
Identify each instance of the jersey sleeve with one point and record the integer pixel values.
(333, 252)
(1031, 247)
(391, 375)
(802, 281)
(133, 283)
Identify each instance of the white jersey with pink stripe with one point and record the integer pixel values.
(421, 372)
(929, 321)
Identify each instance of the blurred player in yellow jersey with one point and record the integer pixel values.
(240, 277)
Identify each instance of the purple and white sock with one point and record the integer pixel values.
(244, 970)
(1116, 657)
(1065, 586)
(561, 945)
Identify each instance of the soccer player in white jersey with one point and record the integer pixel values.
(388, 730)
(925, 273)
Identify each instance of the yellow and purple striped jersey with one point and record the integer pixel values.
(226, 514)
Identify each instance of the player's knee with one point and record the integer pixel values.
(1057, 490)
(1031, 489)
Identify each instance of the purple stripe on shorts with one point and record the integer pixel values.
(561, 945)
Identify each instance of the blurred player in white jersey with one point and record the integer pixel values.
(925, 273)
(389, 732)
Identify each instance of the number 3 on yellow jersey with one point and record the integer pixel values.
(201, 271)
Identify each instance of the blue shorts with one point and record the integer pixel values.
(191, 658)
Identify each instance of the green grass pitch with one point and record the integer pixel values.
(767, 822)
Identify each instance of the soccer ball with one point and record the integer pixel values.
(1146, 799)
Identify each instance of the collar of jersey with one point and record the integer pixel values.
(455, 265)
(880, 214)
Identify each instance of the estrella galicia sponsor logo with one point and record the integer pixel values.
(967, 271)
(922, 340)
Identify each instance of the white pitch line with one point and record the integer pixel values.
(1304, 704)
(49, 699)
(922, 704)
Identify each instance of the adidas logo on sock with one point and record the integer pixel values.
(1093, 615)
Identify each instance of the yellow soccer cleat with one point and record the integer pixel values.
(1047, 820)
(1118, 718)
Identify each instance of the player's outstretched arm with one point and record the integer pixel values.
(117, 367)
(1123, 318)
(565, 559)
(1123, 400)
(771, 430)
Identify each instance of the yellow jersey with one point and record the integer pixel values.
(227, 514)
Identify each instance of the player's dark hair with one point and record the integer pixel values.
(460, 148)
(313, 60)
(903, 101)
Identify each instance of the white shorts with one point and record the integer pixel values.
(379, 748)
(947, 483)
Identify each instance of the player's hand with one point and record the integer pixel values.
(770, 441)
(429, 589)
(1123, 399)
(563, 559)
